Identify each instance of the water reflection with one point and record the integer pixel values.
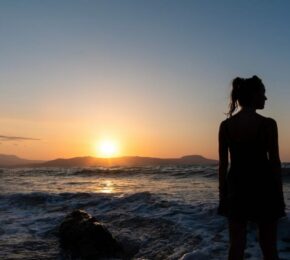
(107, 186)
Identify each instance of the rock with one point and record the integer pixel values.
(81, 235)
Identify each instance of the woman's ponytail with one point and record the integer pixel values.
(236, 87)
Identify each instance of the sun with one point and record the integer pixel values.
(107, 148)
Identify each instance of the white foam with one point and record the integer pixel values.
(169, 215)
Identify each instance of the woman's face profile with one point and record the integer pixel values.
(260, 98)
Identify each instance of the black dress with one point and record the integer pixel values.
(253, 190)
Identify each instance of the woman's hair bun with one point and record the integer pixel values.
(256, 78)
(237, 82)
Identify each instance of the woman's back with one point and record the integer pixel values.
(252, 192)
(247, 136)
(244, 125)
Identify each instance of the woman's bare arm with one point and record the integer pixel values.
(273, 152)
(273, 146)
(223, 159)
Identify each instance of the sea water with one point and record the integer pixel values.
(157, 212)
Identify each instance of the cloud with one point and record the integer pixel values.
(16, 138)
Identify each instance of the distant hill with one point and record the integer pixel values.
(127, 161)
(13, 160)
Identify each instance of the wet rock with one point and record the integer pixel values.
(81, 235)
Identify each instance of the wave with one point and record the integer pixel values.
(43, 199)
(157, 212)
(151, 225)
(178, 171)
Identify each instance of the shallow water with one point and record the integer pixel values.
(157, 212)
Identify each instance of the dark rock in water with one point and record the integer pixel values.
(83, 237)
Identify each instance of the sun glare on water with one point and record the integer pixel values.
(107, 148)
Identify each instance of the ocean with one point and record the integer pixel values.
(159, 212)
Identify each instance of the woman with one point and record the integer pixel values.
(251, 190)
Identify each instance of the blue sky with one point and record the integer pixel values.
(152, 70)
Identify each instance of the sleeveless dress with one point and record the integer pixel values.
(253, 190)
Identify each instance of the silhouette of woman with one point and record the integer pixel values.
(251, 190)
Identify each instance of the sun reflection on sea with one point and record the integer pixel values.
(107, 187)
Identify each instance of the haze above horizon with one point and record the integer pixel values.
(151, 77)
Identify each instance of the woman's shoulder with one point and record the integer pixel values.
(268, 121)
(227, 121)
(269, 126)
(224, 123)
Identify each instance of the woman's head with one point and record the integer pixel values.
(247, 93)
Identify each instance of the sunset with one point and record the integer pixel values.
(157, 75)
(138, 113)
(107, 148)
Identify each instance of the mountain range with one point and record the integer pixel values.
(89, 161)
(7, 160)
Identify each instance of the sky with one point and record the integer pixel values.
(153, 76)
